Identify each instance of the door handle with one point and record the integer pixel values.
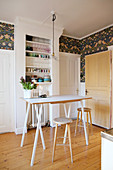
(86, 91)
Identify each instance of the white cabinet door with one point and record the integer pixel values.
(5, 102)
(69, 78)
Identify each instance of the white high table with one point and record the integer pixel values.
(52, 100)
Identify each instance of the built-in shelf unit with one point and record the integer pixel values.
(38, 60)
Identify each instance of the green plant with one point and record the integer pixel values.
(27, 85)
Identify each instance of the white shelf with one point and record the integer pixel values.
(38, 58)
(34, 42)
(37, 73)
(44, 83)
(38, 52)
(39, 67)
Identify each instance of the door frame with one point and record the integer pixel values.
(11, 89)
(110, 48)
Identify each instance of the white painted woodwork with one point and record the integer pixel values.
(69, 78)
(110, 48)
(112, 88)
(23, 27)
(6, 91)
(98, 86)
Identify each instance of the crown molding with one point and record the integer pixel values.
(71, 36)
(96, 31)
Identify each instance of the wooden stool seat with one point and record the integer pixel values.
(62, 121)
(88, 111)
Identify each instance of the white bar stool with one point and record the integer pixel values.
(62, 121)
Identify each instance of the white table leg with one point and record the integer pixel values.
(41, 133)
(25, 123)
(66, 115)
(42, 138)
(33, 121)
(35, 144)
(36, 135)
(85, 130)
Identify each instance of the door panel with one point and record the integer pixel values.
(98, 86)
(63, 73)
(103, 66)
(91, 80)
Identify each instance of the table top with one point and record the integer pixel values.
(56, 99)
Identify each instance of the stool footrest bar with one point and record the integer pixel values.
(62, 137)
(62, 144)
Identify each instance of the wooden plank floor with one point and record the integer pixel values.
(12, 156)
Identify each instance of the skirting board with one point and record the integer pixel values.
(19, 131)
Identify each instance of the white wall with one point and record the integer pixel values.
(23, 27)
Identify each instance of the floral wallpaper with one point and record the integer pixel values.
(95, 43)
(89, 45)
(69, 45)
(6, 36)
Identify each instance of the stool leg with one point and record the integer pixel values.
(54, 145)
(69, 135)
(81, 120)
(77, 122)
(87, 120)
(90, 119)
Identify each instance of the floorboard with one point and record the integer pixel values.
(12, 156)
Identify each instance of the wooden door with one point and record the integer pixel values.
(98, 86)
(69, 78)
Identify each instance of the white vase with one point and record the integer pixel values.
(27, 93)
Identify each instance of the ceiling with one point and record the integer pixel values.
(78, 17)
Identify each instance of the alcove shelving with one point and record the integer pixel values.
(38, 60)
